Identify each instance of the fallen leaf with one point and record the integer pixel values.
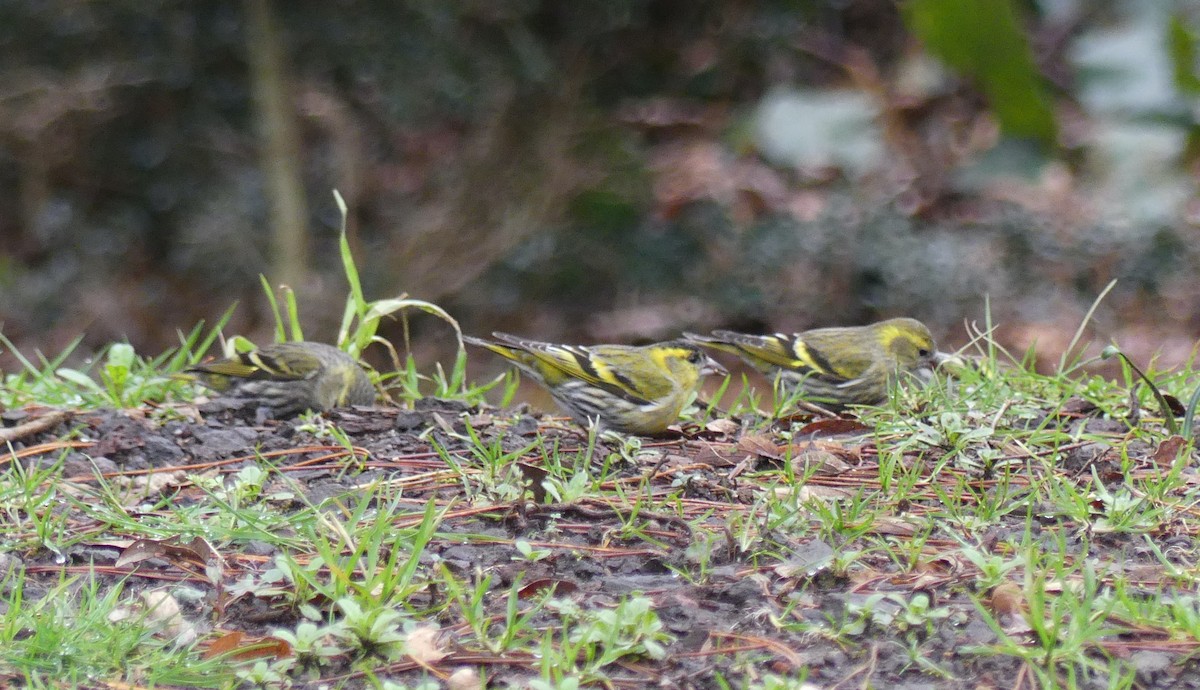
(542, 584)
(811, 491)
(819, 462)
(1168, 451)
(534, 477)
(829, 427)
(481, 421)
(161, 608)
(159, 611)
(119, 614)
(176, 549)
(153, 484)
(718, 455)
(809, 559)
(894, 526)
(1177, 407)
(465, 679)
(1076, 407)
(723, 426)
(241, 647)
(1007, 599)
(422, 645)
(760, 445)
(1008, 602)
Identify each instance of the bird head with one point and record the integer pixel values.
(909, 343)
(686, 361)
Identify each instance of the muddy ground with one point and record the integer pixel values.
(739, 615)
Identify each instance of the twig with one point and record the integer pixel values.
(34, 426)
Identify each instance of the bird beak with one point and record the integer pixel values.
(712, 366)
(927, 365)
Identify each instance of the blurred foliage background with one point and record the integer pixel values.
(602, 170)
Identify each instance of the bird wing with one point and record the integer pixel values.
(824, 352)
(772, 349)
(812, 354)
(273, 362)
(637, 374)
(599, 366)
(225, 367)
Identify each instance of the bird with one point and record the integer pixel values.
(630, 389)
(289, 378)
(835, 366)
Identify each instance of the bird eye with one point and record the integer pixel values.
(694, 357)
(923, 352)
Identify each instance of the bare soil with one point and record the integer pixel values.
(740, 610)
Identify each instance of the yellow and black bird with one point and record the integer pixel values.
(836, 366)
(631, 389)
(289, 378)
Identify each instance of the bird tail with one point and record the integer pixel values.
(719, 340)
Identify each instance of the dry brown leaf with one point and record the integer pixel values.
(560, 587)
(807, 560)
(894, 526)
(946, 563)
(1168, 451)
(161, 608)
(922, 581)
(159, 611)
(163, 611)
(1146, 574)
(723, 426)
(821, 462)
(818, 491)
(465, 679)
(534, 476)
(1008, 602)
(194, 551)
(718, 454)
(153, 484)
(1007, 599)
(422, 645)
(859, 577)
(829, 427)
(761, 445)
(479, 422)
(1059, 586)
(241, 647)
(828, 446)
